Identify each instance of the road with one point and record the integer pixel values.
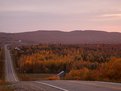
(57, 85)
(9, 70)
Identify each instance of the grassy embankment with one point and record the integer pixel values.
(36, 77)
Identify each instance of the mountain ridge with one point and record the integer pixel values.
(56, 36)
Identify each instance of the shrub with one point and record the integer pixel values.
(81, 74)
(111, 70)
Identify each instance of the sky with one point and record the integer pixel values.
(64, 15)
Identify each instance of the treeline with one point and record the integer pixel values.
(91, 62)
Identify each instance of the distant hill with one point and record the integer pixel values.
(73, 37)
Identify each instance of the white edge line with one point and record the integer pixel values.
(13, 71)
(52, 86)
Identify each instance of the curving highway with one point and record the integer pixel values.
(9, 70)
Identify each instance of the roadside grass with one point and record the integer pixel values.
(35, 77)
(53, 78)
(4, 86)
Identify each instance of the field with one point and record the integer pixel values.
(79, 62)
(35, 77)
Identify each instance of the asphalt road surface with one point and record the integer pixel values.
(9, 70)
(57, 85)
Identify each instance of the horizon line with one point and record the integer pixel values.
(55, 30)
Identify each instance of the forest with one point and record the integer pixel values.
(79, 62)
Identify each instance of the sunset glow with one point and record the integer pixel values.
(64, 15)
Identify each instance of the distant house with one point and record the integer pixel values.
(19, 41)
